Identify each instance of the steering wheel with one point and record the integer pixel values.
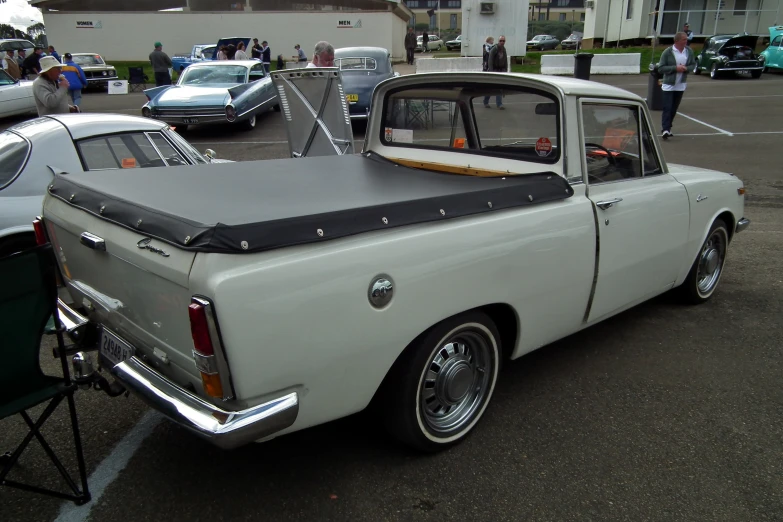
(609, 156)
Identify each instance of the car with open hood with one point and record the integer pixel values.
(361, 69)
(96, 70)
(772, 56)
(198, 53)
(729, 54)
(209, 92)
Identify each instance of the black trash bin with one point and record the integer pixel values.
(654, 91)
(582, 65)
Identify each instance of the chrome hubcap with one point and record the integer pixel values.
(456, 382)
(711, 262)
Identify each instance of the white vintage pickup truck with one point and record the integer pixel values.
(250, 300)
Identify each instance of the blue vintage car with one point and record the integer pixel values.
(362, 68)
(773, 54)
(199, 53)
(225, 91)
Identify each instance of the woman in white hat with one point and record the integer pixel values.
(50, 89)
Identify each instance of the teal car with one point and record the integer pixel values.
(773, 55)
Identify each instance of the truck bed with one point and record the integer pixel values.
(262, 205)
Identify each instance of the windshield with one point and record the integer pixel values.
(5, 79)
(214, 74)
(88, 60)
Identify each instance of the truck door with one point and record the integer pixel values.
(642, 213)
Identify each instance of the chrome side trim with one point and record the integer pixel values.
(223, 428)
(70, 318)
(742, 224)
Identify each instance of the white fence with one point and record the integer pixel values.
(563, 64)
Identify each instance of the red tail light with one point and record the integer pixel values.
(199, 329)
(40, 232)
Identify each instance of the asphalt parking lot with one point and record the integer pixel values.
(664, 412)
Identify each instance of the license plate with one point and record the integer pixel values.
(189, 120)
(352, 97)
(744, 71)
(113, 349)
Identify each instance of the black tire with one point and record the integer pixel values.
(277, 107)
(250, 123)
(714, 70)
(696, 70)
(705, 274)
(16, 243)
(465, 376)
(755, 74)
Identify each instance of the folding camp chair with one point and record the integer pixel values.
(28, 297)
(137, 80)
(417, 114)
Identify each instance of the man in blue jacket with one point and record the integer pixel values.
(76, 78)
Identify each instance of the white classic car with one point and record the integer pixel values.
(16, 96)
(250, 300)
(32, 151)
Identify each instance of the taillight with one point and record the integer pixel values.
(201, 329)
(40, 232)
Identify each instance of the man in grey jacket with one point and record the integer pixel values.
(50, 89)
(675, 63)
(160, 65)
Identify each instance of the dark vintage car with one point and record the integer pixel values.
(732, 54)
(361, 69)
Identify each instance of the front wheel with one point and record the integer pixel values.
(696, 69)
(707, 269)
(755, 74)
(714, 71)
(441, 385)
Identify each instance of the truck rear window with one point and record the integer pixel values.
(512, 122)
(14, 151)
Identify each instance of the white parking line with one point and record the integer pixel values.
(108, 470)
(706, 124)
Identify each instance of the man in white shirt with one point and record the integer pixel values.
(323, 55)
(675, 63)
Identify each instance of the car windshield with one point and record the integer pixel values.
(85, 59)
(5, 79)
(213, 74)
(13, 155)
(356, 64)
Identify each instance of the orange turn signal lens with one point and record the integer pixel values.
(459, 143)
(741, 191)
(212, 385)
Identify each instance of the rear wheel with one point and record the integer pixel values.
(707, 269)
(441, 385)
(250, 123)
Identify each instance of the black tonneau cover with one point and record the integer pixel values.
(261, 205)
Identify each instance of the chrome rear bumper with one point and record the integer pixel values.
(742, 224)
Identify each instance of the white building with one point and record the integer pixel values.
(634, 20)
(501, 17)
(128, 30)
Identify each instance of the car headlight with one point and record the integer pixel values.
(112, 72)
(231, 113)
(762, 57)
(725, 59)
(146, 112)
(105, 73)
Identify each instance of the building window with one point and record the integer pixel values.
(413, 4)
(412, 21)
(453, 22)
(581, 17)
(432, 3)
(562, 17)
(433, 21)
(563, 3)
(455, 4)
(629, 11)
(541, 16)
(739, 7)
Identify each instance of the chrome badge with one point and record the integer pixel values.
(144, 244)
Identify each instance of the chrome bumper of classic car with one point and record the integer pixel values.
(754, 68)
(742, 224)
(226, 429)
(192, 117)
(101, 80)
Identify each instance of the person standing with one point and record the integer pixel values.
(76, 78)
(410, 44)
(323, 55)
(489, 43)
(11, 66)
(52, 52)
(31, 65)
(425, 42)
(255, 51)
(675, 63)
(497, 61)
(300, 54)
(160, 65)
(240, 53)
(50, 89)
(266, 56)
(687, 30)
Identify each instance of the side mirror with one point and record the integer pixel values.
(209, 153)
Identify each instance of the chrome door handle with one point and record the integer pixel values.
(92, 241)
(603, 205)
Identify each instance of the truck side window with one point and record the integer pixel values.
(612, 145)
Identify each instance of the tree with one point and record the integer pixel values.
(37, 33)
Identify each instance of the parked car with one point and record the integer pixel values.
(455, 44)
(283, 294)
(16, 96)
(543, 42)
(772, 56)
(361, 69)
(731, 54)
(233, 40)
(180, 61)
(434, 44)
(573, 41)
(208, 92)
(16, 45)
(32, 151)
(96, 70)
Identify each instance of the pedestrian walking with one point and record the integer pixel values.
(50, 89)
(497, 61)
(161, 63)
(76, 78)
(52, 52)
(410, 45)
(266, 56)
(489, 43)
(674, 64)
